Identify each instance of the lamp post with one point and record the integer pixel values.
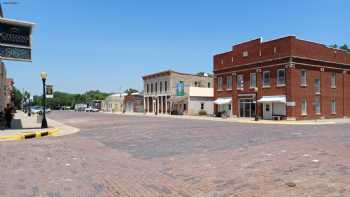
(44, 122)
(256, 104)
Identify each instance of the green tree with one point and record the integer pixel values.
(345, 47)
(18, 98)
(130, 91)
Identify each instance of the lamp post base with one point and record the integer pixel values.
(44, 124)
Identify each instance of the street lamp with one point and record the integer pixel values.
(256, 104)
(44, 122)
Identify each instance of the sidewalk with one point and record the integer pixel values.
(24, 127)
(246, 120)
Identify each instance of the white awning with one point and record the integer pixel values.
(222, 101)
(273, 99)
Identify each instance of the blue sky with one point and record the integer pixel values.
(110, 44)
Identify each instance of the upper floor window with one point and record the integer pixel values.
(303, 78)
(245, 54)
(219, 86)
(317, 86)
(151, 87)
(209, 84)
(281, 77)
(222, 61)
(333, 80)
(147, 88)
(240, 81)
(166, 86)
(253, 80)
(266, 79)
(229, 82)
(156, 87)
(160, 86)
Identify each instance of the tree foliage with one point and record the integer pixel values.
(18, 98)
(343, 47)
(130, 91)
(67, 99)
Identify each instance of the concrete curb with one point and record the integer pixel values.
(30, 135)
(233, 120)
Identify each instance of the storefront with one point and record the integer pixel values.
(224, 105)
(274, 107)
(247, 105)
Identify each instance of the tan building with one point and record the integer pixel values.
(171, 92)
(113, 103)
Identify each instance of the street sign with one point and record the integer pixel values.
(49, 91)
(15, 40)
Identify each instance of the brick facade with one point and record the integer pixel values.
(292, 55)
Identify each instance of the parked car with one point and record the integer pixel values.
(37, 109)
(91, 109)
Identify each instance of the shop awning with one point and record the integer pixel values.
(178, 99)
(222, 101)
(273, 99)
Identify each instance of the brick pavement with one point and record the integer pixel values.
(146, 156)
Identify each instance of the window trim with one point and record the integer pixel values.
(263, 79)
(284, 78)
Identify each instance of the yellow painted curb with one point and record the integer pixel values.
(29, 135)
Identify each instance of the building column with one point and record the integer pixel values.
(166, 104)
(159, 112)
(161, 104)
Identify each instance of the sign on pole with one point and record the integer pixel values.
(49, 91)
(15, 40)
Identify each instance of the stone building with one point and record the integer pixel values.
(171, 92)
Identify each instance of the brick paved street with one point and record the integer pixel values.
(116, 155)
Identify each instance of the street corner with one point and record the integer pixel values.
(24, 135)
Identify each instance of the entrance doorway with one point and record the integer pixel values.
(247, 107)
(267, 111)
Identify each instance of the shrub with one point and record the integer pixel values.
(202, 113)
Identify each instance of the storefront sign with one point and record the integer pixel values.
(15, 53)
(49, 91)
(15, 40)
(15, 34)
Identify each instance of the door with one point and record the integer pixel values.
(267, 111)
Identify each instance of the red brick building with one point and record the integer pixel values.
(288, 78)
